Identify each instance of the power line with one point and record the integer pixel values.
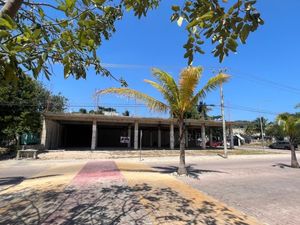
(236, 73)
(264, 80)
(232, 106)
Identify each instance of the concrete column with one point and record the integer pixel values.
(129, 135)
(172, 136)
(210, 137)
(231, 137)
(50, 134)
(186, 137)
(159, 137)
(136, 135)
(44, 134)
(94, 135)
(203, 136)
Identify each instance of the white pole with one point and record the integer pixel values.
(223, 122)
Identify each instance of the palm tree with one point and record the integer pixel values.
(291, 128)
(180, 98)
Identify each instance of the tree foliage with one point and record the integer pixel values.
(274, 130)
(254, 126)
(35, 35)
(22, 103)
(290, 125)
(179, 98)
(224, 24)
(199, 112)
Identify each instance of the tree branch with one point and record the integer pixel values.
(11, 8)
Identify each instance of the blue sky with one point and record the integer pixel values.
(265, 72)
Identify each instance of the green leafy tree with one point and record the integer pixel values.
(84, 111)
(254, 126)
(126, 113)
(180, 98)
(56, 103)
(215, 117)
(22, 103)
(37, 34)
(199, 112)
(291, 127)
(274, 130)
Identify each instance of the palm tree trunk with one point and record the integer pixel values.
(294, 162)
(11, 8)
(182, 169)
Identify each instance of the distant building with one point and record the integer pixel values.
(106, 113)
(94, 131)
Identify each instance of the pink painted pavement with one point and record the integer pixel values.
(96, 171)
(91, 175)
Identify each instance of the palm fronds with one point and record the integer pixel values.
(188, 82)
(152, 103)
(212, 84)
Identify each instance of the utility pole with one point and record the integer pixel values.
(223, 121)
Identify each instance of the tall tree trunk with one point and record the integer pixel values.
(11, 8)
(294, 162)
(182, 169)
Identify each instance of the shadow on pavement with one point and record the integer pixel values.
(10, 182)
(193, 172)
(111, 204)
(282, 165)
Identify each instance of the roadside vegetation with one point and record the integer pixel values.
(22, 102)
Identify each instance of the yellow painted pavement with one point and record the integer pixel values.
(171, 201)
(55, 178)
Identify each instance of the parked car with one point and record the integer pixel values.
(281, 145)
(215, 144)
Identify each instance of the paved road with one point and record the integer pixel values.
(104, 192)
(264, 187)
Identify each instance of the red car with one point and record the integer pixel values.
(215, 144)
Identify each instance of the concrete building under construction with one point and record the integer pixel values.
(92, 131)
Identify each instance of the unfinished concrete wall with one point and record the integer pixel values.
(51, 134)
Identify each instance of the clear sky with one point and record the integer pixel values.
(265, 72)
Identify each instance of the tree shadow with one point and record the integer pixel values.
(111, 203)
(282, 165)
(10, 182)
(193, 172)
